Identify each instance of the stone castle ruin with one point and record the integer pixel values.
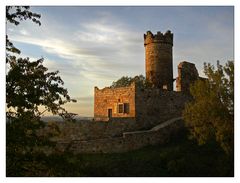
(159, 63)
(150, 106)
(128, 118)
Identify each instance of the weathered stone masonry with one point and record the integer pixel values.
(154, 106)
(127, 142)
(128, 118)
(147, 107)
(158, 59)
(113, 103)
(187, 75)
(151, 106)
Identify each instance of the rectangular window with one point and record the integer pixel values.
(126, 108)
(123, 108)
(120, 108)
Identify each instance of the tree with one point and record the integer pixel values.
(28, 86)
(15, 14)
(124, 81)
(210, 116)
(68, 116)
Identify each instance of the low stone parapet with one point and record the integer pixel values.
(127, 142)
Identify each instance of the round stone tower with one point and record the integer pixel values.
(158, 55)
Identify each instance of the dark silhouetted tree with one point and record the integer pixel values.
(29, 85)
(15, 14)
(68, 116)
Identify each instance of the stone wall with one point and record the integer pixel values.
(187, 75)
(158, 59)
(148, 107)
(90, 130)
(109, 99)
(154, 106)
(127, 142)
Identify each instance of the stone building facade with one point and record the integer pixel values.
(114, 103)
(158, 59)
(149, 106)
(129, 118)
(154, 106)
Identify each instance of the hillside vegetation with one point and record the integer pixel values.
(180, 157)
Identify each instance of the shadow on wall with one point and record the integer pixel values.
(127, 142)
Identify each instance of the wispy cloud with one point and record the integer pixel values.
(96, 47)
(94, 56)
(92, 46)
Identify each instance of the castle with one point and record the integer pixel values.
(132, 117)
(149, 106)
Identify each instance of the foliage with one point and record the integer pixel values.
(210, 116)
(124, 81)
(24, 144)
(28, 86)
(180, 157)
(15, 14)
(68, 116)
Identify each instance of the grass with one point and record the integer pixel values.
(180, 157)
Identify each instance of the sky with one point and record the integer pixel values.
(94, 46)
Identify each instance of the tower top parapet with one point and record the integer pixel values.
(167, 37)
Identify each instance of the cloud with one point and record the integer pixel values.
(98, 49)
(24, 32)
(107, 33)
(95, 56)
(101, 44)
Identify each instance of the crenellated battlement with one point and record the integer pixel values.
(166, 38)
(158, 57)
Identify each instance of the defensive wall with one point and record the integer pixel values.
(187, 75)
(127, 142)
(90, 130)
(128, 118)
(147, 107)
(154, 106)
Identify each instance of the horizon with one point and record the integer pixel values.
(106, 43)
